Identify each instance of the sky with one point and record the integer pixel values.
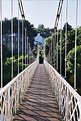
(43, 11)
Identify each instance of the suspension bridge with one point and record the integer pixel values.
(39, 92)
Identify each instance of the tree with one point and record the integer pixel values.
(40, 26)
(47, 46)
(6, 53)
(44, 32)
(69, 27)
(69, 44)
(70, 65)
(31, 31)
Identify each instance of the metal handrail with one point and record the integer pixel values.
(68, 99)
(11, 95)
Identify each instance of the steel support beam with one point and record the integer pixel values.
(55, 31)
(21, 8)
(58, 13)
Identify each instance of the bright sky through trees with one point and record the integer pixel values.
(43, 11)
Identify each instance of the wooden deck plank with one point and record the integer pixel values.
(39, 103)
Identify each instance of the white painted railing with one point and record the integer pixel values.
(68, 99)
(11, 95)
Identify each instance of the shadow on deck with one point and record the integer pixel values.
(39, 103)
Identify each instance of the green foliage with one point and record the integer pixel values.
(10, 60)
(31, 31)
(48, 43)
(6, 53)
(40, 28)
(7, 59)
(69, 27)
(70, 63)
(7, 67)
(35, 51)
(70, 53)
(45, 32)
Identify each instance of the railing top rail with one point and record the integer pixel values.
(66, 83)
(14, 79)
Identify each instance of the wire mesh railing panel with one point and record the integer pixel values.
(68, 99)
(12, 94)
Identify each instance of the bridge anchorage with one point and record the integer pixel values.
(38, 90)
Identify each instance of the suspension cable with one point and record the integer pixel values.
(22, 43)
(21, 8)
(1, 43)
(23, 18)
(58, 13)
(12, 36)
(54, 50)
(57, 51)
(61, 47)
(25, 48)
(56, 25)
(51, 54)
(75, 44)
(27, 51)
(18, 40)
(66, 35)
(44, 49)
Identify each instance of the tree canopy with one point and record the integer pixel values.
(31, 31)
(70, 43)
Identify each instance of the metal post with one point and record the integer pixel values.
(18, 40)
(28, 51)
(75, 44)
(25, 48)
(22, 43)
(66, 36)
(51, 54)
(12, 35)
(61, 47)
(44, 49)
(57, 50)
(1, 44)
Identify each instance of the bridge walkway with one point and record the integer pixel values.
(39, 103)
